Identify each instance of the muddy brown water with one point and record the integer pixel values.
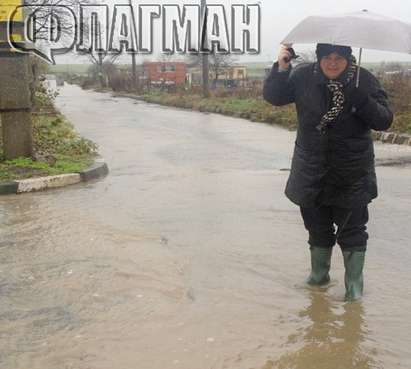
(188, 255)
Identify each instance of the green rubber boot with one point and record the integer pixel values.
(320, 266)
(354, 282)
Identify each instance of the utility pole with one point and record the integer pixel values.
(205, 61)
(15, 99)
(133, 54)
(134, 70)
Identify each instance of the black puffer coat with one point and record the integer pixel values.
(337, 167)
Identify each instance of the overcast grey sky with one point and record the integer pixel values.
(279, 17)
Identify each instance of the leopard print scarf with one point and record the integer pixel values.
(336, 88)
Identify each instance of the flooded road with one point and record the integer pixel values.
(188, 255)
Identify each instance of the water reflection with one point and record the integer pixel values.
(331, 340)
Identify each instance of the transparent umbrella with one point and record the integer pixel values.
(361, 29)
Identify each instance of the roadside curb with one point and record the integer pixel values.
(392, 138)
(97, 170)
(7, 188)
(393, 162)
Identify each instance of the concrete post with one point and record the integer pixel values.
(15, 99)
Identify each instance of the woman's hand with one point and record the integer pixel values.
(284, 57)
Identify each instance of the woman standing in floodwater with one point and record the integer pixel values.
(332, 175)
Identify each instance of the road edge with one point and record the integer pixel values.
(392, 138)
(384, 137)
(96, 170)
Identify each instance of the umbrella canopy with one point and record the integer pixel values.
(361, 29)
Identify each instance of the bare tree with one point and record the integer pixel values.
(102, 62)
(166, 58)
(42, 15)
(98, 53)
(220, 64)
(51, 13)
(192, 60)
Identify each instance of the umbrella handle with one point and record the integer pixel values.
(293, 55)
(357, 83)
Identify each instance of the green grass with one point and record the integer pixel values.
(251, 108)
(256, 110)
(22, 168)
(58, 147)
(402, 123)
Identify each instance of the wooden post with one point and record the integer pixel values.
(15, 99)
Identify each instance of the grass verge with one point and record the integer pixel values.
(256, 110)
(58, 149)
(248, 108)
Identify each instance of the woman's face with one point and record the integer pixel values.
(333, 65)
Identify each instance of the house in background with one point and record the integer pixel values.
(237, 73)
(165, 73)
(234, 76)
